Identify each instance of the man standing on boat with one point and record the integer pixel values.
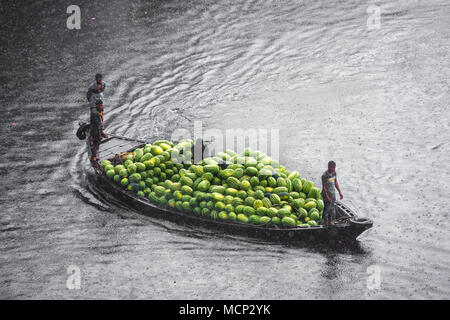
(95, 98)
(95, 91)
(96, 131)
(329, 184)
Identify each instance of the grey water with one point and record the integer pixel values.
(370, 94)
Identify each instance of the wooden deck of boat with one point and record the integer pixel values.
(114, 145)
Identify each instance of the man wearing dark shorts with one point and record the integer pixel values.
(329, 186)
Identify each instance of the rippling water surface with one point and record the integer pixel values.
(375, 101)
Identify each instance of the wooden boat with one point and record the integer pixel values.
(348, 225)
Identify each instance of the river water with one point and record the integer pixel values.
(373, 97)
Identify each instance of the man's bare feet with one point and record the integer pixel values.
(95, 164)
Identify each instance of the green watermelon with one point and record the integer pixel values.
(203, 186)
(242, 194)
(249, 201)
(266, 202)
(276, 221)
(315, 215)
(312, 223)
(259, 195)
(275, 199)
(229, 208)
(146, 157)
(302, 225)
(254, 181)
(272, 212)
(281, 182)
(254, 219)
(156, 150)
(238, 173)
(237, 201)
(320, 205)
(228, 199)
(294, 195)
(257, 204)
(231, 192)
(124, 182)
(119, 168)
(303, 213)
(233, 182)
(309, 205)
(283, 213)
(138, 153)
(131, 168)
(245, 185)
(186, 206)
(298, 203)
(104, 163)
(218, 196)
(223, 215)
(307, 186)
(110, 173)
(219, 206)
(187, 190)
(251, 171)
(272, 182)
(262, 211)
(293, 175)
(153, 197)
(242, 218)
(159, 191)
(265, 173)
(185, 180)
(212, 168)
(265, 220)
(123, 173)
(218, 189)
(249, 211)
(288, 222)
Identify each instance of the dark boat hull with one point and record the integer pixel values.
(344, 231)
(348, 228)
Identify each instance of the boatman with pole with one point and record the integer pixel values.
(96, 131)
(95, 98)
(329, 184)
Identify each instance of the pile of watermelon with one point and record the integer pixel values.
(249, 187)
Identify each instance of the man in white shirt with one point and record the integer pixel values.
(329, 184)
